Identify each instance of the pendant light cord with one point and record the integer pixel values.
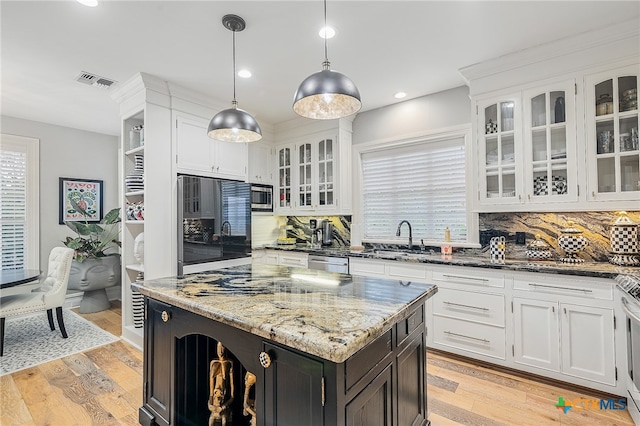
(326, 55)
(235, 103)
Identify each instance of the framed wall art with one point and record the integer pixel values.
(85, 193)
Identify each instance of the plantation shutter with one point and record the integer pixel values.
(423, 183)
(18, 210)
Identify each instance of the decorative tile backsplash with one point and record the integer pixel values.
(595, 227)
(302, 232)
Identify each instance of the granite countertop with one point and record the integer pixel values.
(325, 314)
(474, 258)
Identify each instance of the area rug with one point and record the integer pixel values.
(29, 341)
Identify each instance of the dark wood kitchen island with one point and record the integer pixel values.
(301, 347)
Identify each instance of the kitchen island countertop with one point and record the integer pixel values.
(325, 314)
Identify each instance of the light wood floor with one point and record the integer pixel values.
(103, 386)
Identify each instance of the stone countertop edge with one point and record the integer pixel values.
(332, 346)
(586, 269)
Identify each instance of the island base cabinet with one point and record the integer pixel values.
(373, 406)
(384, 383)
(293, 389)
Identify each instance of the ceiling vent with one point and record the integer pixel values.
(95, 80)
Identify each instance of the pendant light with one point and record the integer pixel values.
(326, 94)
(234, 124)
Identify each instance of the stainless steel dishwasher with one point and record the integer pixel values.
(329, 263)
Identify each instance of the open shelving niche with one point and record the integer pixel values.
(132, 329)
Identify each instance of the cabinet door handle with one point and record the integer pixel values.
(584, 290)
(466, 306)
(450, 333)
(265, 359)
(465, 278)
(164, 316)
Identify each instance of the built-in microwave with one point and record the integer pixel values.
(261, 198)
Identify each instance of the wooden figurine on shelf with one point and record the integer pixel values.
(221, 389)
(248, 404)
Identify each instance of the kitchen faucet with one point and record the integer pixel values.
(226, 222)
(410, 232)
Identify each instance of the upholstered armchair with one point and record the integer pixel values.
(50, 295)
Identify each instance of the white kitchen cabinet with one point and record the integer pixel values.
(588, 347)
(527, 148)
(268, 257)
(565, 325)
(260, 163)
(500, 152)
(284, 174)
(536, 333)
(571, 339)
(612, 143)
(468, 312)
(550, 158)
(197, 154)
(404, 271)
(315, 174)
(296, 259)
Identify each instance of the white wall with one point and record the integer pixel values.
(66, 152)
(427, 113)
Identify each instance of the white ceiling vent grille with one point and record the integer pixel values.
(95, 80)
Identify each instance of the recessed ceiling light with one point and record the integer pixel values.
(327, 32)
(399, 95)
(90, 3)
(244, 73)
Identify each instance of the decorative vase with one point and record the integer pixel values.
(93, 276)
(538, 249)
(624, 241)
(135, 180)
(138, 248)
(572, 241)
(137, 304)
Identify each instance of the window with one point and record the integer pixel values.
(422, 181)
(19, 209)
(236, 209)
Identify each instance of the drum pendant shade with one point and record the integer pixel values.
(234, 124)
(326, 94)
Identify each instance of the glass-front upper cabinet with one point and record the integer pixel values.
(284, 177)
(316, 174)
(499, 146)
(549, 141)
(612, 135)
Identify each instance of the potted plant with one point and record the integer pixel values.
(96, 264)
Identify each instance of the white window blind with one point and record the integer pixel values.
(423, 183)
(18, 202)
(236, 207)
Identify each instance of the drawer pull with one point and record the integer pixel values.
(465, 278)
(450, 333)
(584, 290)
(265, 359)
(466, 306)
(164, 316)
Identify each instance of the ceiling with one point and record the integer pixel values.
(383, 46)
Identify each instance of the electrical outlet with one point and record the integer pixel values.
(520, 238)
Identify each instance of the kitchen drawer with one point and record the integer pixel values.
(469, 336)
(412, 322)
(293, 259)
(476, 277)
(404, 270)
(264, 256)
(564, 285)
(478, 307)
(367, 268)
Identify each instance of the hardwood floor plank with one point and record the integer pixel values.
(437, 420)
(121, 373)
(441, 382)
(13, 409)
(459, 415)
(462, 401)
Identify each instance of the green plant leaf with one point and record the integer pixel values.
(112, 217)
